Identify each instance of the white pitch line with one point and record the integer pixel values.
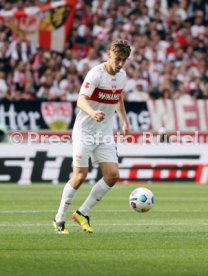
(53, 211)
(106, 224)
(96, 211)
(26, 211)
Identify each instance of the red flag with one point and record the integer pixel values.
(47, 25)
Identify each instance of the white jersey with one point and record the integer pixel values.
(104, 91)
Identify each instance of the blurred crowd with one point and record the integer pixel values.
(169, 59)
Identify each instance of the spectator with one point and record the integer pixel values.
(3, 86)
(138, 94)
(169, 46)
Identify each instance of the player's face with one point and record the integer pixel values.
(116, 61)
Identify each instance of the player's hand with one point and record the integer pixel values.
(98, 115)
(125, 129)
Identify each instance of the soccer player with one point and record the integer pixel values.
(99, 97)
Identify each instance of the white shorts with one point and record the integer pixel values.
(98, 153)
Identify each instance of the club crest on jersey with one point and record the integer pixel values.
(113, 88)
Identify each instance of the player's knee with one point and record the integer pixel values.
(112, 178)
(81, 177)
(115, 177)
(78, 178)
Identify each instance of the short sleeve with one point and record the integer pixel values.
(90, 82)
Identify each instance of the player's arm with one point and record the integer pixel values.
(90, 83)
(83, 103)
(122, 115)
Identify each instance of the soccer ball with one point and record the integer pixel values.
(141, 200)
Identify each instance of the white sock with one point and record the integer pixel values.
(66, 199)
(96, 194)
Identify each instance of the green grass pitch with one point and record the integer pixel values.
(171, 239)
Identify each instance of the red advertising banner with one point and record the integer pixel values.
(51, 163)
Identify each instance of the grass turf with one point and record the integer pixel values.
(171, 239)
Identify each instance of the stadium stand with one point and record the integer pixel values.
(169, 58)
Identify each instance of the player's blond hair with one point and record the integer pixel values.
(120, 46)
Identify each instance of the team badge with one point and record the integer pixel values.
(113, 85)
(113, 88)
(78, 158)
